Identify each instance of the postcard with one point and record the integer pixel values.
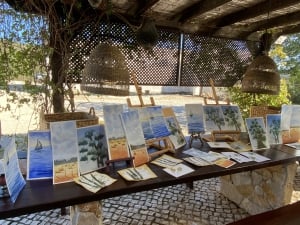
(197, 161)
(195, 152)
(219, 144)
(13, 176)
(178, 170)
(92, 146)
(255, 156)
(236, 157)
(137, 173)
(65, 151)
(225, 163)
(94, 181)
(39, 155)
(166, 161)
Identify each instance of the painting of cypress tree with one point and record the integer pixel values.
(273, 128)
(257, 133)
(233, 118)
(214, 119)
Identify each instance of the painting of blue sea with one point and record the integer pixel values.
(144, 118)
(39, 155)
(195, 118)
(157, 122)
(13, 176)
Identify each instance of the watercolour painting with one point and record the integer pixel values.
(92, 146)
(273, 128)
(145, 122)
(157, 122)
(214, 118)
(39, 155)
(115, 135)
(257, 133)
(135, 137)
(13, 176)
(65, 151)
(195, 118)
(290, 123)
(176, 136)
(233, 118)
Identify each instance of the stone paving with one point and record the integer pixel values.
(175, 205)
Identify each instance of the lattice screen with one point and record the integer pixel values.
(203, 57)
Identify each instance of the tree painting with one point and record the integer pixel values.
(92, 148)
(213, 117)
(257, 132)
(232, 117)
(273, 128)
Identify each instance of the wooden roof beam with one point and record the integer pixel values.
(254, 11)
(290, 30)
(198, 9)
(142, 7)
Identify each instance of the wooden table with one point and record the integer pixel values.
(40, 195)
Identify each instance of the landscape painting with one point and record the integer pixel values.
(257, 133)
(65, 151)
(176, 136)
(115, 135)
(273, 128)
(233, 118)
(213, 118)
(195, 118)
(92, 145)
(135, 137)
(39, 155)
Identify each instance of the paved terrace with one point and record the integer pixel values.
(175, 205)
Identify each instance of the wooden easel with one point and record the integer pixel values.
(155, 142)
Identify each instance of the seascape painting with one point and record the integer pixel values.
(273, 128)
(195, 118)
(257, 133)
(39, 155)
(115, 135)
(145, 122)
(135, 137)
(92, 145)
(65, 151)
(13, 176)
(157, 122)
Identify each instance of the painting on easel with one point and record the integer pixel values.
(135, 137)
(195, 118)
(233, 118)
(116, 139)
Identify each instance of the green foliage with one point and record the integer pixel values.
(246, 100)
(258, 133)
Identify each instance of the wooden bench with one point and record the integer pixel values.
(286, 215)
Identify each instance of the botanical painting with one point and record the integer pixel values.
(135, 137)
(92, 145)
(116, 139)
(39, 155)
(176, 136)
(157, 122)
(13, 176)
(233, 118)
(195, 118)
(257, 133)
(65, 151)
(213, 118)
(273, 128)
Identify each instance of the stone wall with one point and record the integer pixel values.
(260, 190)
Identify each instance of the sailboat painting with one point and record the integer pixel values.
(39, 155)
